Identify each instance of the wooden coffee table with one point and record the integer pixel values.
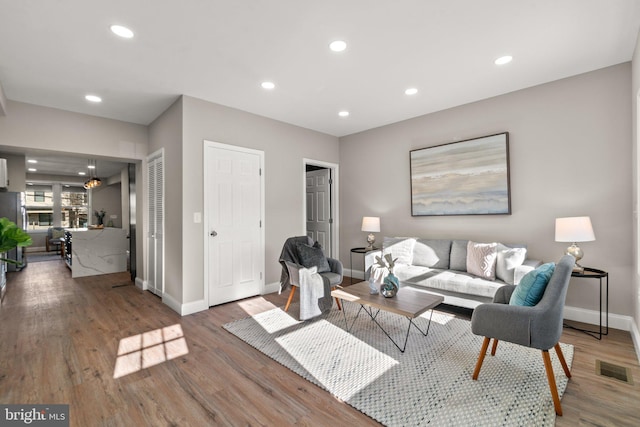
(408, 302)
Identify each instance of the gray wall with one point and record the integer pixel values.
(635, 159)
(166, 133)
(570, 149)
(285, 147)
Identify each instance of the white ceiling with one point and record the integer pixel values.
(52, 53)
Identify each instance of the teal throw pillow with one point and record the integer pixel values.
(531, 288)
(312, 256)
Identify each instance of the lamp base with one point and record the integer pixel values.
(371, 239)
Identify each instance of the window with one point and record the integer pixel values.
(38, 196)
(39, 207)
(39, 201)
(74, 207)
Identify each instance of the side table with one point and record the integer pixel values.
(361, 251)
(593, 273)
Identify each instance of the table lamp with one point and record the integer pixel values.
(371, 224)
(575, 229)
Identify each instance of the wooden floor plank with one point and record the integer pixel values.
(60, 338)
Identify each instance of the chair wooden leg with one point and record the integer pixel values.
(483, 352)
(565, 367)
(293, 291)
(552, 382)
(494, 347)
(338, 303)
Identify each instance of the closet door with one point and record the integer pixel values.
(155, 219)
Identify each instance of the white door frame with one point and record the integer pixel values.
(205, 232)
(335, 245)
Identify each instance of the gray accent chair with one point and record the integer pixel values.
(538, 327)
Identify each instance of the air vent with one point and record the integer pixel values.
(617, 372)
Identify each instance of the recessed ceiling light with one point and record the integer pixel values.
(268, 85)
(343, 114)
(411, 91)
(121, 31)
(32, 161)
(338, 45)
(82, 173)
(93, 98)
(503, 60)
(91, 167)
(29, 183)
(32, 170)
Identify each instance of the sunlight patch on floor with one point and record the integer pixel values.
(148, 349)
(309, 345)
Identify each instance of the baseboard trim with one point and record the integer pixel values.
(635, 336)
(184, 309)
(194, 307)
(591, 317)
(141, 284)
(270, 288)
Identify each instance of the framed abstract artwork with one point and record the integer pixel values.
(468, 177)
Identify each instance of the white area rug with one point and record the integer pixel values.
(429, 384)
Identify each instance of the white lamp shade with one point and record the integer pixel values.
(574, 229)
(371, 224)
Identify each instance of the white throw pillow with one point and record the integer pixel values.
(507, 260)
(481, 259)
(399, 247)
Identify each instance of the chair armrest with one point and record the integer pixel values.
(294, 272)
(336, 266)
(503, 294)
(504, 322)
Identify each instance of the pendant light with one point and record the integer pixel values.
(93, 180)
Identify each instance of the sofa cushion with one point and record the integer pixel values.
(508, 258)
(312, 256)
(399, 247)
(458, 258)
(448, 280)
(432, 253)
(531, 288)
(481, 259)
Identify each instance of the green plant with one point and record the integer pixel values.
(12, 236)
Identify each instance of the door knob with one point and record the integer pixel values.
(213, 233)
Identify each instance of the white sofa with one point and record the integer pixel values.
(440, 266)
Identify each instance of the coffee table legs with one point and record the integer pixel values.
(373, 316)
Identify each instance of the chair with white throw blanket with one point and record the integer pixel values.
(530, 315)
(305, 266)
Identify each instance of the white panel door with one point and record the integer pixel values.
(233, 223)
(319, 207)
(155, 220)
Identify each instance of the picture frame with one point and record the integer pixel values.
(469, 177)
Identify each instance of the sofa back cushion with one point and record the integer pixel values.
(458, 258)
(509, 258)
(432, 253)
(399, 247)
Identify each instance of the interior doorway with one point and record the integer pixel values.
(321, 204)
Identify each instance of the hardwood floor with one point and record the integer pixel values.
(62, 342)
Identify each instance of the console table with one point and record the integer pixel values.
(603, 277)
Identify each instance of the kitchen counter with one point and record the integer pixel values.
(93, 252)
